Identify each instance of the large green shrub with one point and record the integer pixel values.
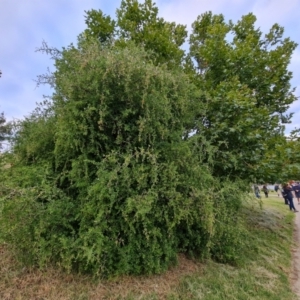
(108, 178)
(119, 187)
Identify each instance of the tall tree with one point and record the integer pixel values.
(282, 159)
(139, 23)
(247, 83)
(243, 75)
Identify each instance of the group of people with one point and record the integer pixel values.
(263, 189)
(289, 190)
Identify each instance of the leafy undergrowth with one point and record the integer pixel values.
(263, 274)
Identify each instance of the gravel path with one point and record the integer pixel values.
(296, 255)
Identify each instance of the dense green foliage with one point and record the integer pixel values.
(248, 88)
(282, 160)
(242, 73)
(139, 23)
(139, 154)
(104, 181)
(270, 232)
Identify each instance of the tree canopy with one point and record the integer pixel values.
(246, 77)
(242, 74)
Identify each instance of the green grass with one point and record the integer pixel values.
(262, 274)
(266, 269)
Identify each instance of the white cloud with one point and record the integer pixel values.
(295, 66)
(186, 11)
(23, 27)
(294, 124)
(269, 12)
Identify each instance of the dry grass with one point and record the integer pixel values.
(265, 274)
(24, 283)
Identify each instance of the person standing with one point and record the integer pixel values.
(256, 191)
(265, 190)
(285, 197)
(288, 190)
(296, 189)
(277, 189)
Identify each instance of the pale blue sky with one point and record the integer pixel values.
(24, 24)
